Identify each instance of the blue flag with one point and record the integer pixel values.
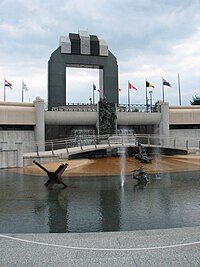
(166, 83)
(94, 87)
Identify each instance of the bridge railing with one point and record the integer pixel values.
(189, 144)
(83, 142)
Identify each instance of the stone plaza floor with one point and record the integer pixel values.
(167, 247)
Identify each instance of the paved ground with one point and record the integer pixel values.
(170, 247)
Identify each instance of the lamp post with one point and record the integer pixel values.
(151, 99)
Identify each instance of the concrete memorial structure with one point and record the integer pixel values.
(24, 127)
(81, 51)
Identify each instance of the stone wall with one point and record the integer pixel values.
(11, 157)
(9, 138)
(186, 137)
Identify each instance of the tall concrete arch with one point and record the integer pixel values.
(83, 51)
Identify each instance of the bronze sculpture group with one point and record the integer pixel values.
(140, 175)
(141, 154)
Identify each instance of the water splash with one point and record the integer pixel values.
(122, 165)
(157, 164)
(158, 176)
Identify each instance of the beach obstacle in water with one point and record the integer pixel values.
(54, 177)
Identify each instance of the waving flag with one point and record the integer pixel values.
(94, 87)
(130, 86)
(24, 87)
(166, 83)
(149, 85)
(6, 83)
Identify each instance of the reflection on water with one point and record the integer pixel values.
(122, 165)
(110, 209)
(93, 204)
(57, 212)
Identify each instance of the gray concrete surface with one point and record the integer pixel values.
(168, 247)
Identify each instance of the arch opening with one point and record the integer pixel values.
(84, 51)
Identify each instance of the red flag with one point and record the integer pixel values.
(6, 83)
(130, 86)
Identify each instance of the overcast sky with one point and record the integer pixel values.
(151, 39)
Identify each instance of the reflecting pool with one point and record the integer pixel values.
(96, 204)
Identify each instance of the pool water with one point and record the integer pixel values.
(98, 204)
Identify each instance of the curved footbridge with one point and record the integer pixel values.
(93, 146)
(76, 148)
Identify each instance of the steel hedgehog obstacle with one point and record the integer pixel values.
(54, 177)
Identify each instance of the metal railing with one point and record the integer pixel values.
(93, 107)
(94, 142)
(189, 144)
(76, 107)
(136, 108)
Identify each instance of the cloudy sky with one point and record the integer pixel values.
(151, 39)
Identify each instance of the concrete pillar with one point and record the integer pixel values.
(40, 123)
(97, 124)
(164, 123)
(101, 83)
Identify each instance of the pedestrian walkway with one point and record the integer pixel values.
(66, 153)
(167, 247)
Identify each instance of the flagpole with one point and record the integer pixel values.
(179, 90)
(146, 96)
(163, 93)
(93, 93)
(151, 100)
(128, 97)
(4, 91)
(22, 93)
